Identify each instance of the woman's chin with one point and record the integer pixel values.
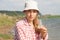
(31, 19)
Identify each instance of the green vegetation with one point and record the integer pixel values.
(12, 13)
(50, 16)
(9, 17)
(56, 16)
(5, 36)
(7, 22)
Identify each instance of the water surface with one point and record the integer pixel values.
(53, 26)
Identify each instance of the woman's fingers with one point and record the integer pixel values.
(44, 29)
(43, 35)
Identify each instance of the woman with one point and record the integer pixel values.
(29, 28)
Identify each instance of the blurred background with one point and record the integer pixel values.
(11, 12)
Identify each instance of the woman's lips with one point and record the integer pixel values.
(31, 17)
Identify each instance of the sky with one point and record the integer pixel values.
(46, 6)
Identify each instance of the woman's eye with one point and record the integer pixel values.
(35, 11)
(28, 11)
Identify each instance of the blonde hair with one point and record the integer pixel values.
(36, 24)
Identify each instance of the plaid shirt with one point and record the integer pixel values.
(24, 31)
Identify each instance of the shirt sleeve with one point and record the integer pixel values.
(16, 36)
(19, 33)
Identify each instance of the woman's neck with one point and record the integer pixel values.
(30, 22)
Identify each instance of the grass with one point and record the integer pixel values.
(55, 16)
(4, 20)
(7, 22)
(5, 36)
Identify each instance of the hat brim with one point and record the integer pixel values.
(31, 9)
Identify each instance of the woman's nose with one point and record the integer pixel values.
(31, 13)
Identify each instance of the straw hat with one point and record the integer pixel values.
(31, 4)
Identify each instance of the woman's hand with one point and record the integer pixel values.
(43, 31)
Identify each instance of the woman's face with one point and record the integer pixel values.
(31, 14)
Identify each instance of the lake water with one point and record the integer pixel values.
(53, 26)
